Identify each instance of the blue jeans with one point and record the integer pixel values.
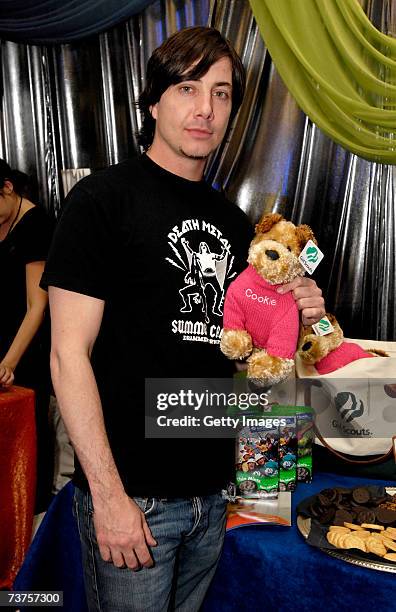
(189, 534)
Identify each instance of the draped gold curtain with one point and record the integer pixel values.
(340, 69)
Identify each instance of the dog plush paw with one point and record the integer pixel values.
(265, 370)
(236, 343)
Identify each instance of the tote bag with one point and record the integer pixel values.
(355, 406)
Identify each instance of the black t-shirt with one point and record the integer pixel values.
(160, 250)
(28, 241)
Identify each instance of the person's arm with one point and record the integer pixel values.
(121, 530)
(220, 257)
(308, 298)
(36, 302)
(187, 246)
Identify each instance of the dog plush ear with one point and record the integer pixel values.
(304, 233)
(267, 222)
(331, 317)
(305, 330)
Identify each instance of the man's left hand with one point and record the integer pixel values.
(308, 298)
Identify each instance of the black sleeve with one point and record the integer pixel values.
(37, 234)
(80, 257)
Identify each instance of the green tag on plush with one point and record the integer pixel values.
(310, 257)
(323, 327)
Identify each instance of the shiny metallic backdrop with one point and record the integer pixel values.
(276, 159)
(73, 106)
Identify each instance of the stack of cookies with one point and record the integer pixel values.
(358, 506)
(366, 537)
(363, 518)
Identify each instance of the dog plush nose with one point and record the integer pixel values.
(306, 346)
(272, 255)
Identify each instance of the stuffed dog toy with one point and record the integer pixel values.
(260, 323)
(330, 352)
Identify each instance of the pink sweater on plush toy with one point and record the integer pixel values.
(270, 318)
(331, 352)
(340, 357)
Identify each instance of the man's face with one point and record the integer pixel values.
(192, 116)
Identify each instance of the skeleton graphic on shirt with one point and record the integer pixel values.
(207, 269)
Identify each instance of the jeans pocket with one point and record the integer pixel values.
(146, 504)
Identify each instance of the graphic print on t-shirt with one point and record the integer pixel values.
(203, 255)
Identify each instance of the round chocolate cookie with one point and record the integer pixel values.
(327, 516)
(323, 500)
(331, 494)
(366, 516)
(341, 517)
(360, 495)
(385, 516)
(359, 507)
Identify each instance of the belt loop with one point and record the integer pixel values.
(196, 503)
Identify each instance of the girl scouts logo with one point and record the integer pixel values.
(310, 257)
(323, 327)
(348, 406)
(312, 254)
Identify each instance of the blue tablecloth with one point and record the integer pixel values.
(53, 561)
(262, 568)
(265, 569)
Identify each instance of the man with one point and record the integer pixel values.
(115, 272)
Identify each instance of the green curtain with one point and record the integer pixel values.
(339, 67)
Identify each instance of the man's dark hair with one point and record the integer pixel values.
(184, 56)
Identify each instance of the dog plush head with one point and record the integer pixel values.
(275, 249)
(313, 348)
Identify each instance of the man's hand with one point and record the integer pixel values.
(6, 375)
(122, 533)
(308, 297)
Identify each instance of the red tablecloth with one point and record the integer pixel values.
(17, 479)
